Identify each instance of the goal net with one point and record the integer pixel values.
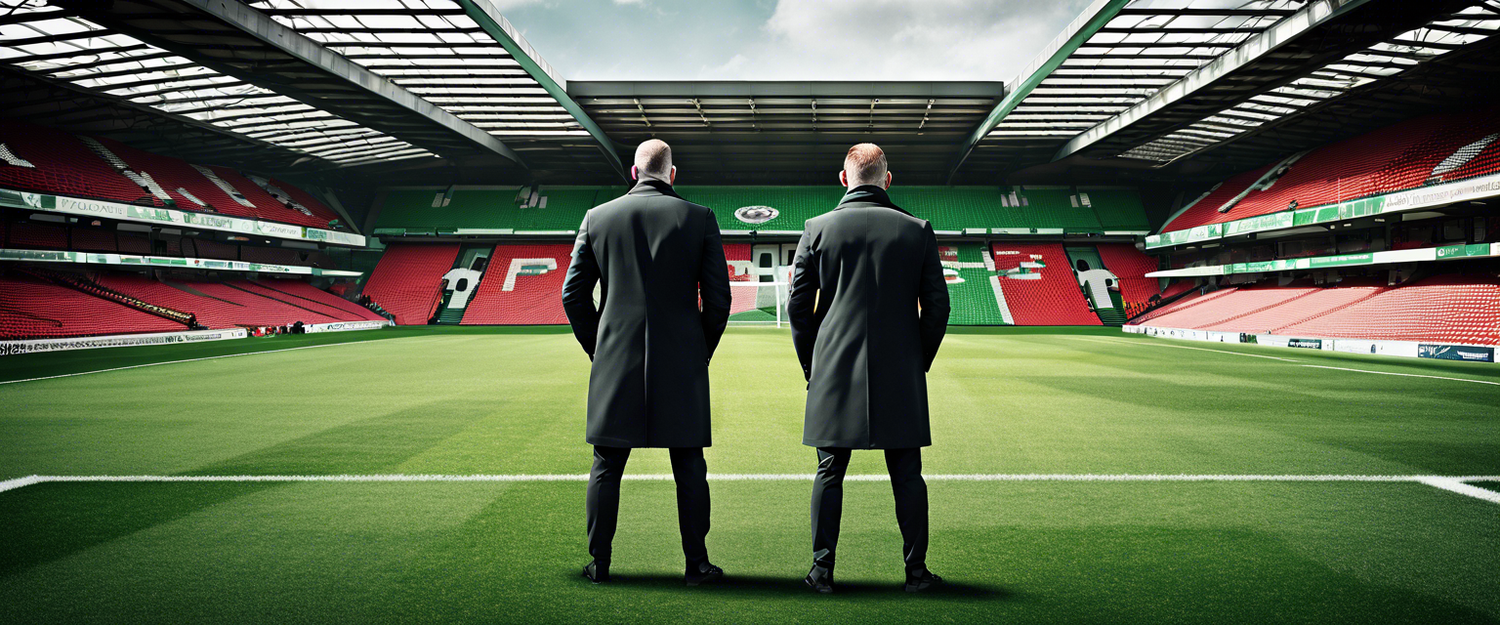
(757, 303)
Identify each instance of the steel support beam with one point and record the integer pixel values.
(488, 17)
(1094, 18)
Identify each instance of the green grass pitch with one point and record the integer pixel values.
(510, 401)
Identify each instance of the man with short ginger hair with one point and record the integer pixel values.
(655, 256)
(868, 309)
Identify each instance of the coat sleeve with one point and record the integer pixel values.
(933, 299)
(802, 303)
(713, 287)
(578, 291)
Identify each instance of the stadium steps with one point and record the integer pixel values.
(1112, 316)
(451, 316)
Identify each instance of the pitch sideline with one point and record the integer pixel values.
(1455, 484)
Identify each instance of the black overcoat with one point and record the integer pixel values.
(653, 254)
(861, 272)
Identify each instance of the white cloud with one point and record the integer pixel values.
(900, 39)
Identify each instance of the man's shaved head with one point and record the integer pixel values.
(865, 164)
(653, 159)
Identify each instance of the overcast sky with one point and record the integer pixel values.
(789, 39)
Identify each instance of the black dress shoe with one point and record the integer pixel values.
(820, 579)
(703, 573)
(596, 571)
(922, 581)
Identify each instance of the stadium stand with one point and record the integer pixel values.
(948, 208)
(408, 280)
(299, 290)
(1445, 309)
(49, 161)
(1188, 301)
(1131, 266)
(237, 303)
(971, 290)
(1426, 150)
(1230, 306)
(32, 308)
(64, 165)
(1040, 287)
(188, 188)
(1295, 310)
(1206, 209)
(522, 285)
(319, 210)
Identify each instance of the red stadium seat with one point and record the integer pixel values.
(522, 285)
(1131, 266)
(408, 280)
(1051, 299)
(30, 308)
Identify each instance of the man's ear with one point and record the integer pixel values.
(633, 174)
(672, 177)
(844, 178)
(888, 178)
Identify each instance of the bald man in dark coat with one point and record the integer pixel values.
(868, 309)
(653, 255)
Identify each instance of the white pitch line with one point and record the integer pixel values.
(18, 482)
(751, 477)
(174, 362)
(1406, 375)
(1458, 486)
(1449, 483)
(1199, 349)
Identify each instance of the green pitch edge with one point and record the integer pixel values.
(489, 20)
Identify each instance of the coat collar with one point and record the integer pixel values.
(869, 194)
(652, 186)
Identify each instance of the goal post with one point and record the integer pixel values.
(758, 303)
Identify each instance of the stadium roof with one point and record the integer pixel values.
(447, 91)
(791, 132)
(1155, 81)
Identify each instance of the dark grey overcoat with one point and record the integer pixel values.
(861, 271)
(653, 254)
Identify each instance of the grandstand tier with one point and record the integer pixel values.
(1039, 285)
(408, 280)
(44, 160)
(1458, 309)
(1427, 150)
(31, 308)
(522, 285)
(1130, 267)
(561, 208)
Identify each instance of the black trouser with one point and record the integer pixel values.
(905, 467)
(603, 502)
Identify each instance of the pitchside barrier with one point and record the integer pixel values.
(15, 348)
(1404, 349)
